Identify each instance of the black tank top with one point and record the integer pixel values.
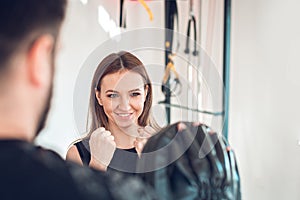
(123, 159)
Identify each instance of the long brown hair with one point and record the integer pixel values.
(116, 62)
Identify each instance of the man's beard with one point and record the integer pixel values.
(44, 114)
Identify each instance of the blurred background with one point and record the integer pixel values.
(264, 87)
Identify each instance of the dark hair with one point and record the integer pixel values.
(116, 62)
(23, 21)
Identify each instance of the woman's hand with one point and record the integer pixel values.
(102, 146)
(144, 134)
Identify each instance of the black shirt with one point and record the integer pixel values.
(29, 172)
(123, 160)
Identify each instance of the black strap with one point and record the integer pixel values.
(122, 22)
(192, 19)
(84, 152)
(121, 12)
(187, 50)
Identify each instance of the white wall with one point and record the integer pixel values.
(263, 123)
(81, 34)
(264, 113)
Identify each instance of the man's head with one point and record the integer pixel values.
(28, 35)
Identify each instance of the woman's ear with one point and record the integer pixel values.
(98, 96)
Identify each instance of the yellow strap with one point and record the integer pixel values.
(147, 9)
(174, 71)
(167, 73)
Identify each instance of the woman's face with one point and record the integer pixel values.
(122, 96)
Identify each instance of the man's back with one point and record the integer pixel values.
(31, 172)
(34, 173)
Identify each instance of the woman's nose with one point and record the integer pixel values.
(124, 104)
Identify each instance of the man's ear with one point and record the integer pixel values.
(40, 60)
(97, 92)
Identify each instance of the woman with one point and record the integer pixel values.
(120, 114)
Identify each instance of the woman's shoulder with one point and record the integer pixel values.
(75, 148)
(72, 153)
(79, 151)
(80, 145)
(82, 140)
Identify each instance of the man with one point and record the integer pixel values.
(28, 40)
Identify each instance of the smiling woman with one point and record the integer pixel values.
(119, 113)
(122, 97)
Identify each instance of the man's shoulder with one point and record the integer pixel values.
(32, 172)
(39, 173)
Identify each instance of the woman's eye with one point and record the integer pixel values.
(134, 94)
(112, 95)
